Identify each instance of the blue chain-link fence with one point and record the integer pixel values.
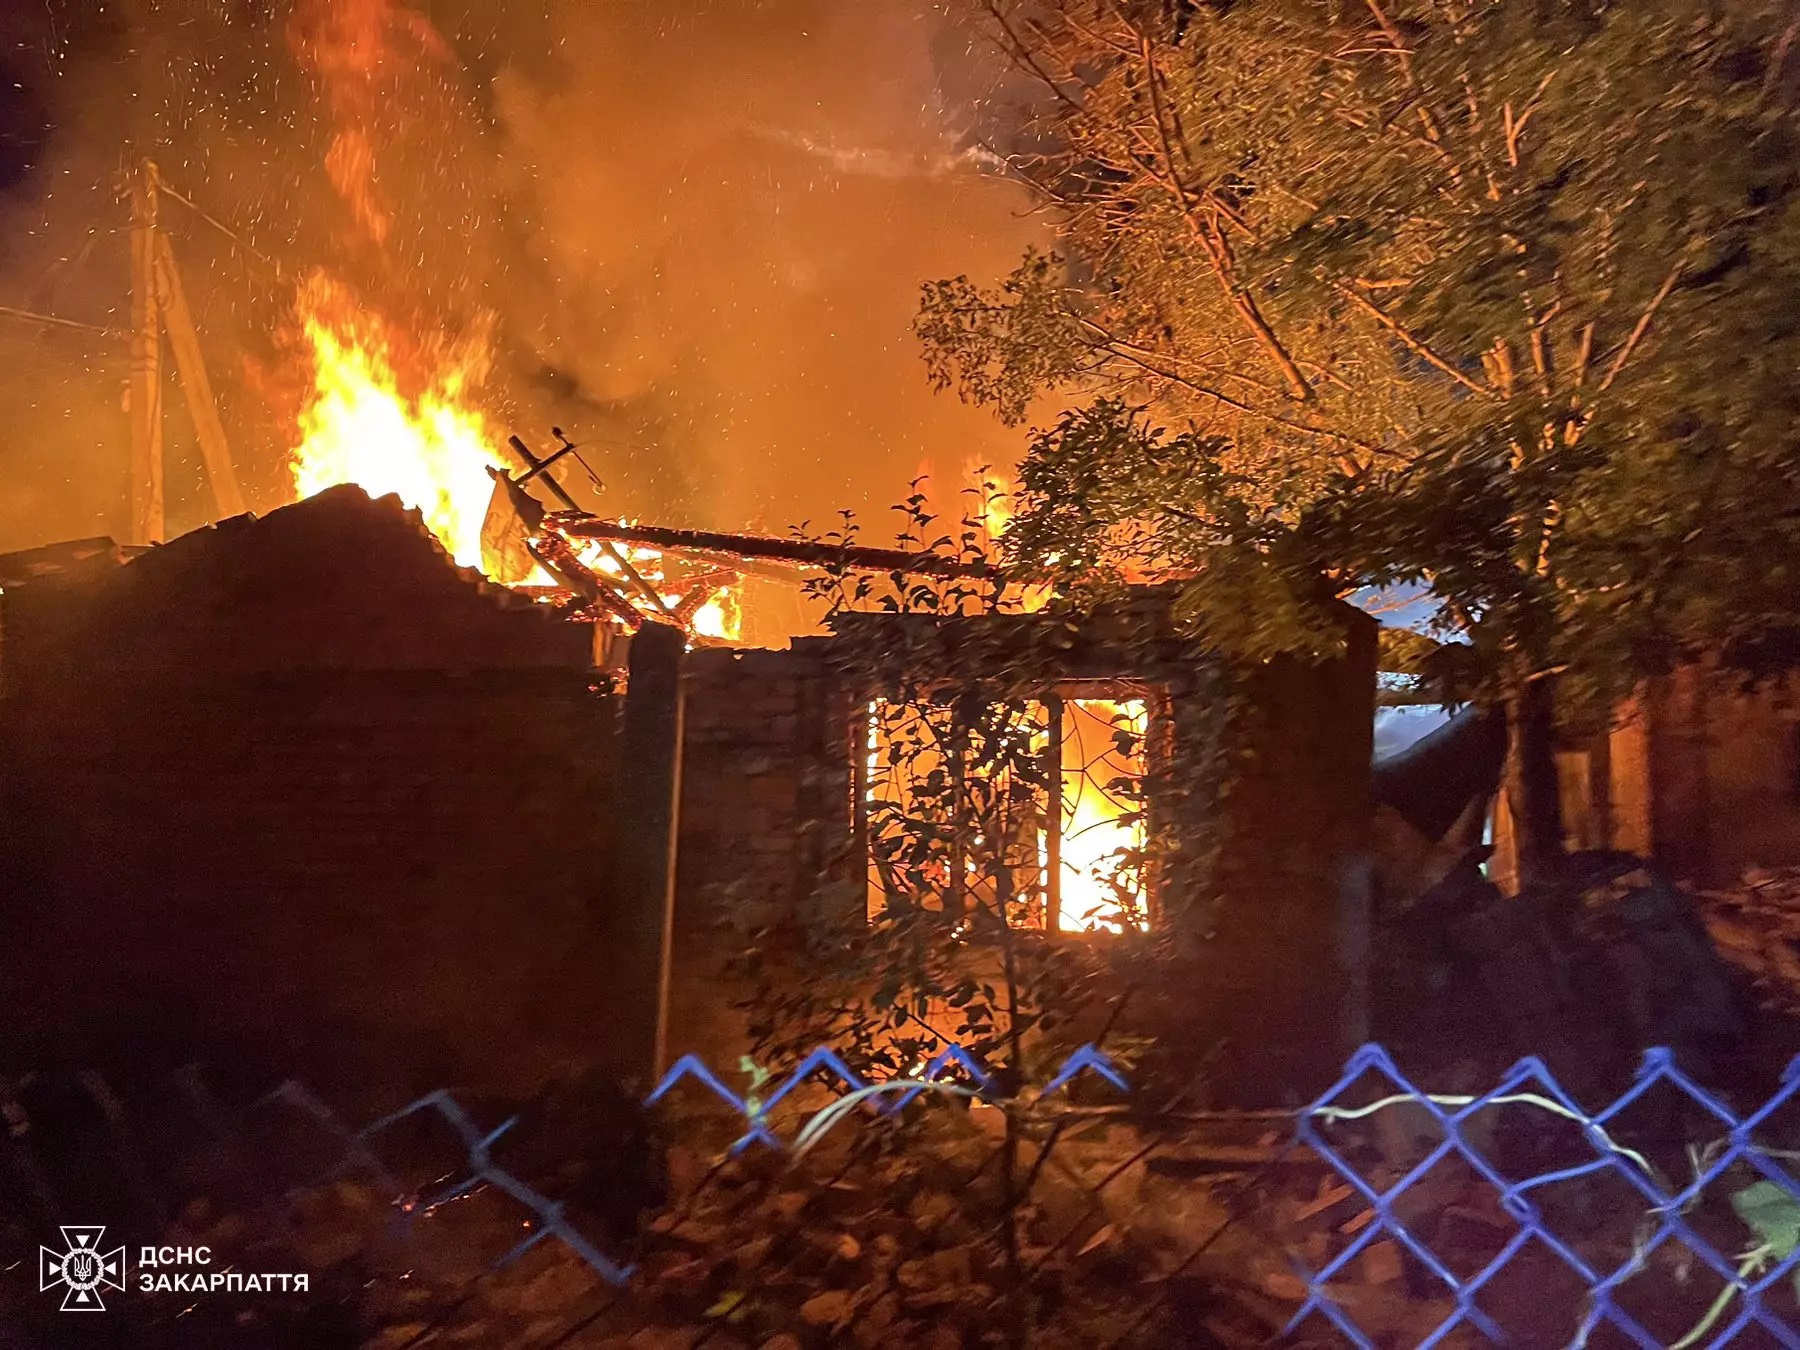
(1513, 1215)
(1694, 1188)
(550, 1219)
(883, 1097)
(273, 1157)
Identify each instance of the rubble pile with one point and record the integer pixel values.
(1756, 927)
(1585, 972)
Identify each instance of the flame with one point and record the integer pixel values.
(367, 60)
(1103, 835)
(996, 507)
(350, 164)
(389, 411)
(995, 511)
(429, 445)
(429, 448)
(720, 617)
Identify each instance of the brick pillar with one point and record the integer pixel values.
(1280, 974)
(1628, 777)
(650, 741)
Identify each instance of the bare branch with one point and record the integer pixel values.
(1133, 352)
(1503, 367)
(1515, 126)
(1643, 323)
(1024, 57)
(1149, 363)
(1401, 51)
(1206, 234)
(1585, 353)
(1552, 515)
(1476, 123)
(1540, 351)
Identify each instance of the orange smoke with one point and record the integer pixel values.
(363, 56)
(395, 411)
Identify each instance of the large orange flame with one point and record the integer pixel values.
(429, 447)
(1103, 833)
(397, 412)
(426, 442)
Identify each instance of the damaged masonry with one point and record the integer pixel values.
(1151, 703)
(276, 729)
(417, 809)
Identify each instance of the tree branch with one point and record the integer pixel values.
(1214, 246)
(1584, 354)
(1394, 326)
(1643, 323)
(1404, 54)
(1540, 351)
(1515, 126)
(1148, 362)
(1022, 55)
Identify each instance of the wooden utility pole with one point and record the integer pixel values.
(184, 341)
(158, 302)
(146, 364)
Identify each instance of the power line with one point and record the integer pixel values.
(163, 185)
(54, 321)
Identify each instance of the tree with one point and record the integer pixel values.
(1492, 294)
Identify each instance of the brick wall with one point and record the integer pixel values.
(1702, 774)
(766, 807)
(767, 773)
(1266, 887)
(298, 790)
(1277, 943)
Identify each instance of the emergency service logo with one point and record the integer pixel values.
(82, 1268)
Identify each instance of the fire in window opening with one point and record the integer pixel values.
(954, 813)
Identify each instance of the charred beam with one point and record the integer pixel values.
(806, 552)
(537, 467)
(594, 589)
(788, 573)
(700, 590)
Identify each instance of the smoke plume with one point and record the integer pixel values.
(695, 230)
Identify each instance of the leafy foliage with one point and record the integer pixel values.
(950, 938)
(1404, 652)
(1493, 295)
(1531, 263)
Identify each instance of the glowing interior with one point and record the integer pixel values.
(1099, 883)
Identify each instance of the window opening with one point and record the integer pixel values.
(959, 819)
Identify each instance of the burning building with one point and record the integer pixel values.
(302, 785)
(436, 763)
